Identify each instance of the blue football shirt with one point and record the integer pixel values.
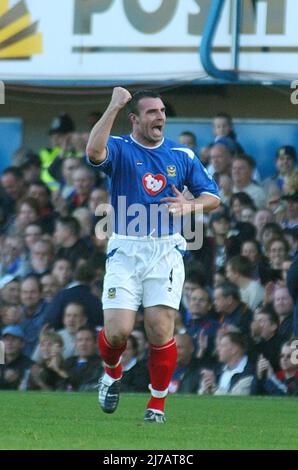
(141, 176)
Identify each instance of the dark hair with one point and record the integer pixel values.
(189, 134)
(84, 272)
(35, 278)
(79, 304)
(270, 313)
(240, 265)
(244, 199)
(90, 330)
(255, 242)
(41, 184)
(72, 224)
(226, 116)
(133, 105)
(246, 158)
(16, 172)
(236, 338)
(30, 201)
(230, 289)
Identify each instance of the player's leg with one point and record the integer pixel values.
(159, 325)
(112, 340)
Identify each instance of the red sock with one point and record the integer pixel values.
(110, 356)
(162, 362)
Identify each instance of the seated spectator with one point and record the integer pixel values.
(14, 185)
(238, 202)
(261, 270)
(9, 290)
(189, 139)
(265, 334)
(223, 127)
(136, 376)
(85, 368)
(185, 378)
(48, 373)
(237, 373)
(242, 174)
(284, 307)
(285, 163)
(227, 302)
(202, 320)
(33, 312)
(32, 234)
(270, 231)
(221, 158)
(192, 281)
(292, 285)
(27, 212)
(277, 252)
(143, 344)
(16, 363)
(62, 272)
(239, 271)
(42, 195)
(284, 381)
(78, 291)
(83, 182)
(74, 318)
(67, 237)
(291, 220)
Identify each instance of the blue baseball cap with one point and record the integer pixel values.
(13, 330)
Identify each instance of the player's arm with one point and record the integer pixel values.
(96, 147)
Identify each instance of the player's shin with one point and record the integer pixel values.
(111, 356)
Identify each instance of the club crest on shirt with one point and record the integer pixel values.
(153, 184)
(171, 169)
(112, 293)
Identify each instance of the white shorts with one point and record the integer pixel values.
(147, 270)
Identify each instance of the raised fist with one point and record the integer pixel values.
(120, 97)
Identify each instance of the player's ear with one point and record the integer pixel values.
(133, 118)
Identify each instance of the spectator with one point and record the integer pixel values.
(262, 217)
(238, 202)
(49, 286)
(13, 183)
(10, 315)
(67, 237)
(41, 257)
(12, 258)
(242, 175)
(9, 290)
(189, 139)
(32, 233)
(284, 382)
(292, 284)
(33, 312)
(74, 318)
(265, 332)
(135, 372)
(284, 307)
(16, 363)
(83, 182)
(221, 159)
(237, 374)
(239, 271)
(185, 378)
(85, 368)
(42, 194)
(62, 271)
(261, 271)
(286, 158)
(143, 344)
(48, 374)
(78, 291)
(291, 220)
(227, 302)
(277, 251)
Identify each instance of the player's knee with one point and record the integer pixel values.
(159, 334)
(118, 339)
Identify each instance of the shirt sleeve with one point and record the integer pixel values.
(113, 150)
(199, 181)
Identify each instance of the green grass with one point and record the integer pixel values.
(74, 421)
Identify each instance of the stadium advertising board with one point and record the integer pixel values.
(139, 39)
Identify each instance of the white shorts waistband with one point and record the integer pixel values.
(175, 236)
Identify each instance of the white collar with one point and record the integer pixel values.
(239, 368)
(145, 146)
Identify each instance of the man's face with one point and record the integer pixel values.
(221, 226)
(185, 349)
(30, 293)
(12, 186)
(267, 329)
(68, 168)
(13, 344)
(32, 235)
(187, 140)
(220, 301)
(282, 301)
(40, 194)
(10, 293)
(62, 271)
(249, 250)
(220, 158)
(221, 127)
(292, 209)
(82, 181)
(286, 361)
(225, 349)
(73, 318)
(49, 287)
(262, 218)
(285, 164)
(60, 233)
(199, 304)
(241, 173)
(230, 274)
(148, 124)
(85, 344)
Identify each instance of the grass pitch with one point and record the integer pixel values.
(74, 421)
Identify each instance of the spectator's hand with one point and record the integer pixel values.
(208, 381)
(264, 368)
(202, 344)
(269, 292)
(11, 376)
(120, 97)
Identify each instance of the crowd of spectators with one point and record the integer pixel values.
(238, 319)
